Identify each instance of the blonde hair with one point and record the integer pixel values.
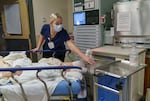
(54, 16)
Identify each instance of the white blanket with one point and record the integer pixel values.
(34, 89)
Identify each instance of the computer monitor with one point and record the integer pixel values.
(79, 18)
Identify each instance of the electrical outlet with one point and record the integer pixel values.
(43, 19)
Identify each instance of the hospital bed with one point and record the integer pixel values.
(65, 90)
(62, 88)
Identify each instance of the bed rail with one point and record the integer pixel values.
(67, 51)
(38, 69)
(39, 51)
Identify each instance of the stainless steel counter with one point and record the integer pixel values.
(115, 51)
(118, 69)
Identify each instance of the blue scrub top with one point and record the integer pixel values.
(59, 39)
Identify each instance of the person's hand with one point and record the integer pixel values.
(35, 49)
(6, 74)
(88, 60)
(18, 73)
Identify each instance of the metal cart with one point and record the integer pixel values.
(135, 81)
(112, 80)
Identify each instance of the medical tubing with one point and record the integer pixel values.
(69, 83)
(46, 88)
(22, 90)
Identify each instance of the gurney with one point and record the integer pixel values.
(61, 89)
(66, 89)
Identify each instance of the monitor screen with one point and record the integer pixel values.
(79, 18)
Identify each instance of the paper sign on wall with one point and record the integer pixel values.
(123, 21)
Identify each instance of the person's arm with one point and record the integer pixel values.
(76, 50)
(9, 74)
(40, 41)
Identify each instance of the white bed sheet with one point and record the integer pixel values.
(34, 90)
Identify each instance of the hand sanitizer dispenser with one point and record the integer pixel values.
(133, 57)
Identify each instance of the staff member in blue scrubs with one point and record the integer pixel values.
(55, 37)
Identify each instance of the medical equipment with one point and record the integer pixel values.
(64, 87)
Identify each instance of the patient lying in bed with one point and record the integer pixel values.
(52, 77)
(14, 60)
(20, 59)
